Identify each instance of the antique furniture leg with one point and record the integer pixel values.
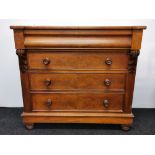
(125, 127)
(29, 126)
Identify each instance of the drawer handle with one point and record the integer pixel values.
(46, 61)
(106, 103)
(49, 102)
(47, 82)
(107, 82)
(108, 61)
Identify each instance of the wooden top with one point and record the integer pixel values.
(126, 37)
(78, 27)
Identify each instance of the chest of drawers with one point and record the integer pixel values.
(78, 74)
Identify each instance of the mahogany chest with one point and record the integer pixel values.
(78, 74)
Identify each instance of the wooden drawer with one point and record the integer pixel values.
(77, 102)
(77, 60)
(56, 81)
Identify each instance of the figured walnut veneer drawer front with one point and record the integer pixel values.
(77, 60)
(77, 102)
(55, 81)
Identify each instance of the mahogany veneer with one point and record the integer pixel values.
(78, 74)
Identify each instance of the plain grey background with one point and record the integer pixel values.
(10, 88)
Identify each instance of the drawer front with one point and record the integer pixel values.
(77, 81)
(77, 102)
(77, 60)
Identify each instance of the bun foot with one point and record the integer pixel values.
(125, 127)
(29, 126)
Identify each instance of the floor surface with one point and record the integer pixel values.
(11, 124)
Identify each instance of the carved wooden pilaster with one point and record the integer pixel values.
(133, 55)
(22, 59)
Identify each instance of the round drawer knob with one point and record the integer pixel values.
(49, 102)
(46, 61)
(106, 103)
(107, 82)
(108, 61)
(47, 82)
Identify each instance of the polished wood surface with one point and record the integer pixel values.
(74, 81)
(78, 74)
(78, 27)
(74, 41)
(82, 117)
(84, 102)
(78, 60)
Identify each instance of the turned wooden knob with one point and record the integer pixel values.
(107, 82)
(106, 103)
(108, 61)
(46, 61)
(47, 82)
(49, 102)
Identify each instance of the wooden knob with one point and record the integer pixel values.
(107, 82)
(108, 61)
(106, 103)
(47, 82)
(49, 102)
(46, 61)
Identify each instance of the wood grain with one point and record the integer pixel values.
(77, 27)
(84, 102)
(77, 60)
(82, 117)
(79, 42)
(70, 81)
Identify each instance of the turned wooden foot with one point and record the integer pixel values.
(29, 126)
(125, 127)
